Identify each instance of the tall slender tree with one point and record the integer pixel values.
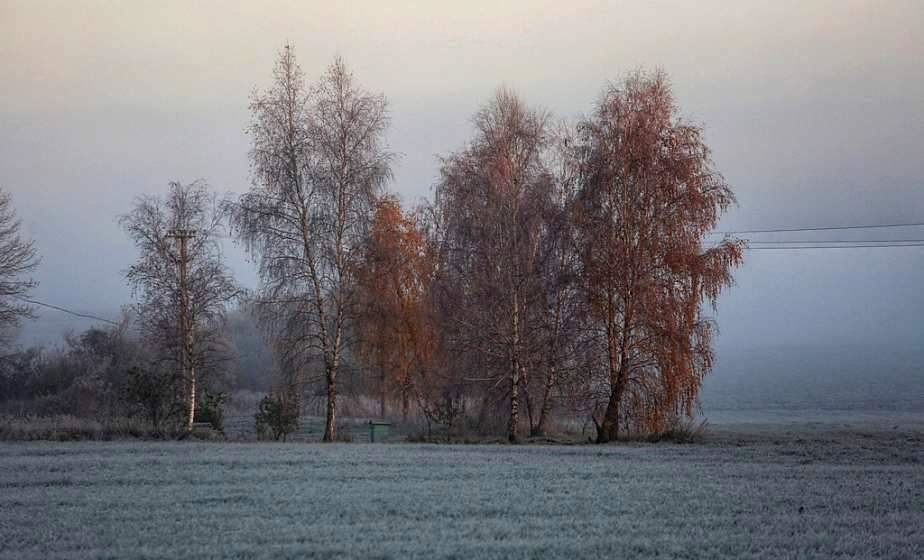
(649, 195)
(319, 162)
(184, 286)
(492, 197)
(561, 310)
(394, 282)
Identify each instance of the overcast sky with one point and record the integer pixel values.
(814, 112)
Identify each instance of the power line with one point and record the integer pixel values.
(826, 228)
(798, 247)
(829, 241)
(68, 311)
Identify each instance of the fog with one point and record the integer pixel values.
(814, 114)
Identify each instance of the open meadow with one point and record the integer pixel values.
(808, 494)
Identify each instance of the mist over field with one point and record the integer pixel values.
(789, 384)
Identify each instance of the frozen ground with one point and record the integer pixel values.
(795, 494)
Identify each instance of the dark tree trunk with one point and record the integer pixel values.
(527, 400)
(405, 401)
(608, 430)
(330, 426)
(512, 432)
(541, 428)
(382, 394)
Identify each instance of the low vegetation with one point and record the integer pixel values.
(72, 428)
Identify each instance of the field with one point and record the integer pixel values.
(818, 494)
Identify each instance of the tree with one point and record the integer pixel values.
(648, 196)
(183, 284)
(98, 359)
(151, 388)
(493, 197)
(394, 283)
(561, 309)
(18, 258)
(319, 165)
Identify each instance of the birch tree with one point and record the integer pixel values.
(319, 162)
(561, 309)
(183, 285)
(492, 197)
(18, 258)
(649, 194)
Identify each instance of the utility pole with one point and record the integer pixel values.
(187, 366)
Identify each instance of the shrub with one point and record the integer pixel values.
(681, 430)
(211, 409)
(277, 415)
(152, 390)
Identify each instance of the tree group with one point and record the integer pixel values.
(560, 275)
(558, 268)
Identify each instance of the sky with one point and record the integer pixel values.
(814, 112)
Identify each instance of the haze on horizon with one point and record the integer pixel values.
(813, 111)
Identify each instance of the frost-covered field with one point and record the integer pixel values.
(815, 495)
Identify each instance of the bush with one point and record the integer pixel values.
(277, 415)
(681, 430)
(211, 409)
(152, 390)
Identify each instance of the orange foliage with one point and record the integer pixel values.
(572, 269)
(394, 282)
(649, 197)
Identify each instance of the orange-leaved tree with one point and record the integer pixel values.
(393, 283)
(649, 196)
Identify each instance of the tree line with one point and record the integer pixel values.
(559, 271)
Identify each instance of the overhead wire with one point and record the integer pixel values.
(792, 245)
(798, 247)
(778, 245)
(823, 241)
(819, 228)
(65, 310)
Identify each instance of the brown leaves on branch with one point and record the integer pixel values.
(569, 267)
(649, 196)
(394, 327)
